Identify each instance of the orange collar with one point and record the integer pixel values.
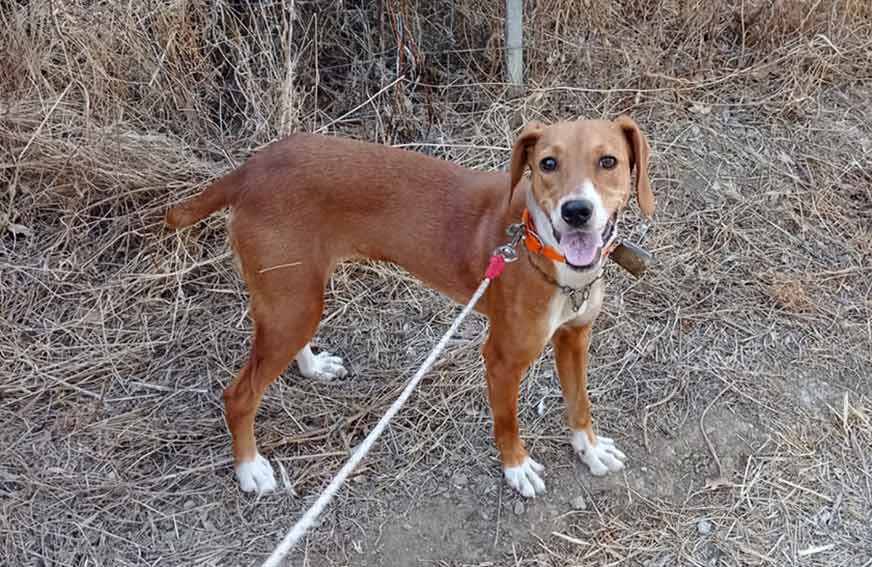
(534, 242)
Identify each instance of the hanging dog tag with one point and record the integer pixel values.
(632, 258)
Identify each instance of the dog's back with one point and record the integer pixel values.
(338, 198)
(318, 168)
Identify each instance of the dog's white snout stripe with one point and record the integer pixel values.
(586, 191)
(600, 215)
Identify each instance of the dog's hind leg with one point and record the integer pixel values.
(285, 318)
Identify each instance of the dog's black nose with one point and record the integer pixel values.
(576, 213)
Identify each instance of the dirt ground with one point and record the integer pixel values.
(736, 374)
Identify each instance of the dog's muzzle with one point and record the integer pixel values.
(583, 249)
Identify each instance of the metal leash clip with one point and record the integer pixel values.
(509, 251)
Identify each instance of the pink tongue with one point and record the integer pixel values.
(580, 247)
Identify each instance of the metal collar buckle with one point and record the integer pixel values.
(578, 297)
(509, 251)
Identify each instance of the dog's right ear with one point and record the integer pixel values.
(528, 138)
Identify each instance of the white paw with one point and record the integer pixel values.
(256, 475)
(321, 366)
(525, 478)
(601, 456)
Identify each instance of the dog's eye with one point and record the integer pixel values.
(548, 164)
(608, 162)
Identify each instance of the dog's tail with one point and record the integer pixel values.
(216, 196)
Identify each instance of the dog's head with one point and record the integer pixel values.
(580, 180)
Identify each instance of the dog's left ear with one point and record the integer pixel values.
(529, 136)
(639, 159)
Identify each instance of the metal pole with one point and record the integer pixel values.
(514, 42)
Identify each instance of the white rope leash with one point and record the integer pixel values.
(308, 519)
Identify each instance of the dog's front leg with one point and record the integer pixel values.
(570, 351)
(507, 358)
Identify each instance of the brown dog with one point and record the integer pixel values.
(307, 202)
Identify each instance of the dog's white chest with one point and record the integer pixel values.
(562, 309)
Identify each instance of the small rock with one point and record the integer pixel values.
(731, 193)
(704, 527)
(460, 479)
(701, 108)
(578, 503)
(518, 508)
(20, 230)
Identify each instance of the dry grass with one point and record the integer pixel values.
(736, 375)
